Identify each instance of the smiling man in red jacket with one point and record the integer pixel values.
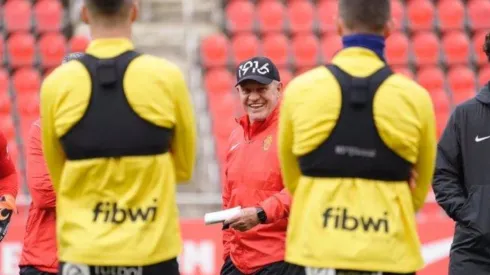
(254, 241)
(39, 254)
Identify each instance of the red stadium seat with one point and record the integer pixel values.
(218, 81)
(451, 15)
(306, 50)
(4, 81)
(215, 50)
(20, 49)
(477, 43)
(240, 16)
(28, 104)
(440, 100)
(484, 76)
(17, 15)
(404, 71)
(7, 126)
(271, 16)
(286, 76)
(478, 11)
(52, 49)
(462, 83)
(327, 14)
(226, 105)
(397, 49)
(26, 80)
(48, 15)
(432, 78)
(398, 14)
(426, 48)
(78, 43)
(456, 48)
(244, 46)
(276, 47)
(421, 15)
(330, 45)
(441, 121)
(5, 104)
(301, 16)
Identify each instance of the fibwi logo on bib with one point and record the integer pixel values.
(75, 269)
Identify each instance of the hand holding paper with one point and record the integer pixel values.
(221, 216)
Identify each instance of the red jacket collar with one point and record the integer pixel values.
(251, 130)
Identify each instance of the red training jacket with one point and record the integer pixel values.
(253, 178)
(40, 238)
(9, 184)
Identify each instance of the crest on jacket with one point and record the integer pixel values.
(267, 142)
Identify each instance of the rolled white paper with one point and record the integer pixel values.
(221, 216)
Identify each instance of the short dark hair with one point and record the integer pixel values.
(365, 15)
(486, 46)
(107, 7)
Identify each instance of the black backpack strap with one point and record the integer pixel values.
(361, 89)
(106, 72)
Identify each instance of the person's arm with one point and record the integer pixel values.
(184, 139)
(38, 179)
(424, 167)
(227, 234)
(289, 164)
(9, 185)
(447, 184)
(51, 146)
(277, 206)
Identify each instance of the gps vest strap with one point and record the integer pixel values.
(354, 148)
(110, 127)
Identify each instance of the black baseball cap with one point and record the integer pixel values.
(72, 56)
(260, 69)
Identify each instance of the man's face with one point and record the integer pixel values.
(259, 100)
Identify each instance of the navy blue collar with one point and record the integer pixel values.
(375, 43)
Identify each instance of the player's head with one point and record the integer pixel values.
(486, 46)
(259, 87)
(107, 13)
(364, 17)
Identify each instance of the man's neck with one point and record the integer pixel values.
(99, 32)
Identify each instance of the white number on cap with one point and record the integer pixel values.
(244, 69)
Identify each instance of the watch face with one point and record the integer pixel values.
(261, 215)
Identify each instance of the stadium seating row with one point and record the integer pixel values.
(306, 50)
(43, 16)
(22, 49)
(305, 16)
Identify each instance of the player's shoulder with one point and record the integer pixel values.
(63, 73)
(407, 88)
(150, 64)
(308, 80)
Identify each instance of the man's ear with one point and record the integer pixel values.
(388, 29)
(340, 26)
(84, 14)
(134, 11)
(280, 88)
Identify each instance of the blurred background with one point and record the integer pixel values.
(438, 43)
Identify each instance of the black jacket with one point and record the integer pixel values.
(462, 184)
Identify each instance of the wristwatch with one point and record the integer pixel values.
(261, 215)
